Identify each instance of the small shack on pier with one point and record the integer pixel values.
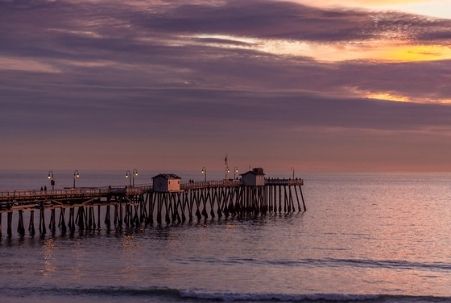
(164, 183)
(254, 177)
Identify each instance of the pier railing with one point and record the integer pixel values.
(279, 181)
(210, 184)
(20, 195)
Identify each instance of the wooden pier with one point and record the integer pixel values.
(127, 208)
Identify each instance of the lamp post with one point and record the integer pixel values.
(76, 176)
(235, 173)
(204, 172)
(292, 171)
(51, 179)
(128, 177)
(135, 174)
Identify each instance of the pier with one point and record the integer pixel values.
(125, 208)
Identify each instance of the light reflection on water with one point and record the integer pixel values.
(362, 234)
(48, 258)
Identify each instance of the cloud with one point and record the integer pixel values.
(286, 20)
(24, 64)
(90, 53)
(177, 76)
(439, 35)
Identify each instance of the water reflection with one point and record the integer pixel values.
(48, 250)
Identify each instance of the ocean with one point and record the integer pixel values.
(364, 238)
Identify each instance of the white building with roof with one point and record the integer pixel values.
(254, 177)
(166, 183)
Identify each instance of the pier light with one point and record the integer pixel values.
(127, 177)
(135, 174)
(204, 172)
(227, 172)
(51, 179)
(76, 176)
(235, 173)
(292, 171)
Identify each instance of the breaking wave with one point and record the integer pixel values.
(205, 296)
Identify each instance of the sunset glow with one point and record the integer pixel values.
(138, 83)
(416, 53)
(382, 50)
(387, 97)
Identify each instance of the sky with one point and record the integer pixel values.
(352, 86)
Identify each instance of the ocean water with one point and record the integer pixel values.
(364, 238)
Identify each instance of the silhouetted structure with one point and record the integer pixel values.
(167, 203)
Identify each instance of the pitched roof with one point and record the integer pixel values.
(167, 176)
(258, 171)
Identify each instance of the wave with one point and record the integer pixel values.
(395, 264)
(331, 262)
(306, 298)
(205, 296)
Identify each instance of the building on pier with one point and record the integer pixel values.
(254, 177)
(166, 183)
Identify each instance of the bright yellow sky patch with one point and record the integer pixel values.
(387, 96)
(384, 51)
(413, 53)
(381, 50)
(395, 97)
